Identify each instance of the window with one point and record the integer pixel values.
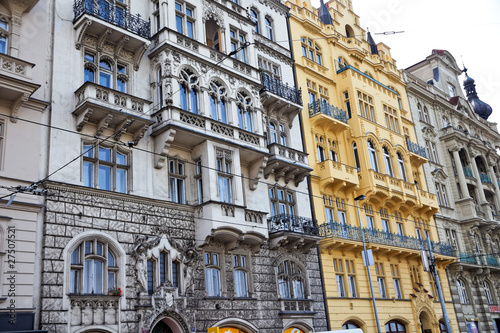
(199, 181)
(329, 211)
(451, 237)
(420, 115)
(442, 327)
(339, 277)
(254, 16)
(386, 228)
(426, 115)
(2, 139)
(218, 95)
(391, 118)
(94, 268)
(434, 286)
(176, 176)
(387, 161)
(311, 50)
(212, 274)
(156, 16)
(351, 278)
(4, 36)
(395, 326)
(487, 292)
(282, 201)
(110, 74)
(401, 165)
(347, 104)
(349, 325)
(159, 89)
(356, 156)
(290, 280)
(160, 269)
(333, 150)
(320, 142)
(396, 280)
(371, 224)
(462, 292)
(245, 111)
(224, 175)
(341, 214)
(373, 156)
(105, 168)
(401, 232)
(270, 68)
(240, 275)
(438, 194)
(188, 90)
(434, 153)
(238, 40)
(184, 19)
(379, 269)
(269, 28)
(366, 108)
(451, 90)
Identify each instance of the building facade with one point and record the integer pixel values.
(463, 173)
(185, 205)
(23, 145)
(360, 137)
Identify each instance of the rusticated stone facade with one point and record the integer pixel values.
(141, 227)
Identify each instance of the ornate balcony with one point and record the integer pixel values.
(491, 261)
(280, 98)
(110, 23)
(89, 310)
(417, 153)
(467, 258)
(291, 164)
(292, 231)
(336, 176)
(327, 117)
(108, 108)
(336, 230)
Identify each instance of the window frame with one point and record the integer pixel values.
(218, 101)
(372, 154)
(281, 205)
(4, 35)
(269, 27)
(189, 91)
(224, 176)
(288, 272)
(182, 18)
(117, 72)
(212, 262)
(177, 181)
(255, 18)
(241, 272)
(237, 39)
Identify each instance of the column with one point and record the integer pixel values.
(495, 186)
(460, 173)
(479, 183)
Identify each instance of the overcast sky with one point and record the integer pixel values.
(469, 30)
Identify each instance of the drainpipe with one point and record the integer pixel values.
(313, 215)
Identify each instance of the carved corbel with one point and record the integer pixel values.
(102, 39)
(120, 44)
(81, 33)
(138, 55)
(17, 105)
(140, 133)
(83, 118)
(122, 128)
(281, 173)
(162, 146)
(256, 171)
(103, 124)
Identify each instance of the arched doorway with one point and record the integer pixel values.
(167, 325)
(425, 322)
(350, 325)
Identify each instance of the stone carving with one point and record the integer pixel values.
(210, 11)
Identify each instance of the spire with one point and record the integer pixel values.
(324, 14)
(373, 45)
(481, 108)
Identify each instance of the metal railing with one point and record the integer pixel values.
(334, 229)
(327, 109)
(286, 222)
(491, 261)
(415, 148)
(468, 172)
(468, 258)
(113, 14)
(277, 87)
(485, 178)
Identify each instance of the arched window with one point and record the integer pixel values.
(419, 108)
(401, 166)
(373, 156)
(110, 74)
(311, 50)
(254, 16)
(212, 274)
(387, 161)
(356, 156)
(245, 111)
(269, 28)
(290, 280)
(442, 327)
(273, 132)
(188, 90)
(395, 326)
(282, 135)
(218, 97)
(487, 292)
(462, 292)
(426, 115)
(349, 32)
(105, 73)
(350, 325)
(94, 268)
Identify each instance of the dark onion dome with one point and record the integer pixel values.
(481, 108)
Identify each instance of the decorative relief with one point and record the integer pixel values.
(211, 11)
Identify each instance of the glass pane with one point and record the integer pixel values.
(88, 174)
(88, 247)
(105, 79)
(111, 279)
(189, 28)
(178, 23)
(105, 65)
(121, 159)
(99, 249)
(105, 154)
(183, 97)
(175, 274)
(121, 180)
(178, 6)
(189, 12)
(88, 73)
(150, 277)
(194, 101)
(74, 282)
(75, 256)
(105, 177)
(88, 151)
(222, 110)
(111, 260)
(98, 277)
(162, 267)
(121, 85)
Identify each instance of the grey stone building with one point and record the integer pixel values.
(186, 205)
(463, 172)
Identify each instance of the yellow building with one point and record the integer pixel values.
(360, 138)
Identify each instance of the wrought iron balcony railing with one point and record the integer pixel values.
(468, 172)
(277, 87)
(485, 178)
(468, 258)
(327, 109)
(286, 222)
(113, 14)
(491, 261)
(333, 229)
(415, 148)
